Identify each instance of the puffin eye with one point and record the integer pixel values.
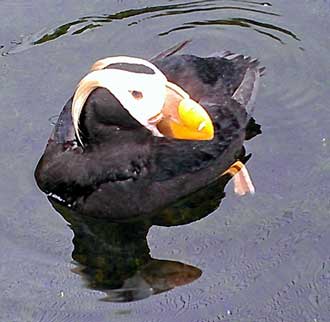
(136, 94)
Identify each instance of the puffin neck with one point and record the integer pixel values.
(104, 120)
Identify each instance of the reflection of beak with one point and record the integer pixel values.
(183, 119)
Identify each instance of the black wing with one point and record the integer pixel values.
(224, 85)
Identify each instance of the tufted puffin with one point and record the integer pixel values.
(138, 135)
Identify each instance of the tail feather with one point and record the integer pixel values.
(171, 51)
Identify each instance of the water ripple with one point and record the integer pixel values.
(240, 22)
(92, 22)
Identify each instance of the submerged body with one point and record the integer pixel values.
(122, 170)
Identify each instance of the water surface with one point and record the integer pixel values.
(258, 258)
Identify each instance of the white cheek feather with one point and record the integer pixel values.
(121, 83)
(153, 91)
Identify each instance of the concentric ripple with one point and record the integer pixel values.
(232, 11)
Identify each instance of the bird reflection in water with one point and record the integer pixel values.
(115, 258)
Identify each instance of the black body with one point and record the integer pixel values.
(123, 171)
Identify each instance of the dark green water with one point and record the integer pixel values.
(258, 258)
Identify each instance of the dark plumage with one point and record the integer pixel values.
(123, 171)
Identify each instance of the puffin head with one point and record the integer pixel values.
(130, 92)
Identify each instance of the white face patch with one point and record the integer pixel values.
(142, 95)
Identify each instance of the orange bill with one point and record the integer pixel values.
(182, 117)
